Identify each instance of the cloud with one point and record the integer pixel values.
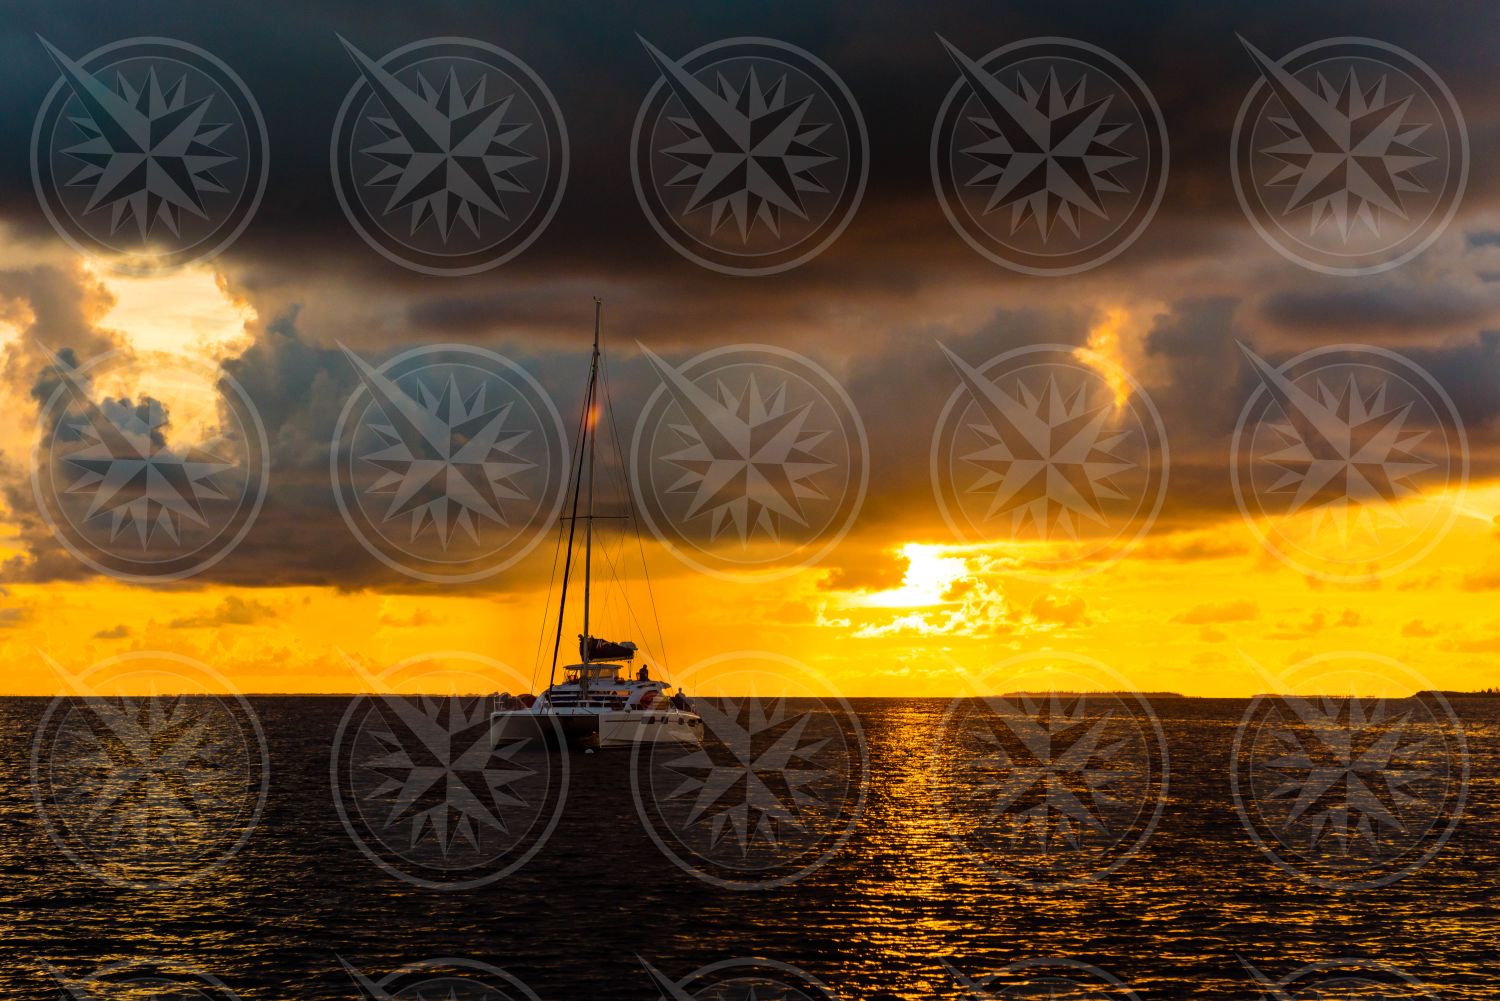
(1476, 644)
(1190, 547)
(1066, 611)
(232, 611)
(1316, 622)
(53, 307)
(1400, 306)
(1240, 610)
(1486, 578)
(1417, 629)
(414, 619)
(117, 632)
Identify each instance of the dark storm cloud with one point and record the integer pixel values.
(299, 538)
(862, 308)
(901, 390)
(1199, 379)
(888, 53)
(1207, 380)
(1382, 309)
(300, 389)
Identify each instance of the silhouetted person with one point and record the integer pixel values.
(644, 674)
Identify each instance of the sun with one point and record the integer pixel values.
(931, 572)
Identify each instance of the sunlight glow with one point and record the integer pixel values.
(1104, 342)
(929, 577)
(188, 311)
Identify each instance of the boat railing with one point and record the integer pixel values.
(596, 702)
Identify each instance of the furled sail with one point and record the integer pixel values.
(593, 648)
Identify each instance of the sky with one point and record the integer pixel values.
(902, 542)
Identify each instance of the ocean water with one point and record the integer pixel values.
(917, 888)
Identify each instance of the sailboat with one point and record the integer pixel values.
(603, 700)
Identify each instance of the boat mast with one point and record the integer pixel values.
(588, 409)
(588, 533)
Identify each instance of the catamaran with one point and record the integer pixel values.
(601, 701)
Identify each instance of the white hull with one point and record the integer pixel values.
(594, 728)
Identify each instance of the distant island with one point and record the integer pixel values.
(1483, 693)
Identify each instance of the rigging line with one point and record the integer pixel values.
(634, 620)
(536, 657)
(588, 402)
(609, 407)
(541, 636)
(615, 563)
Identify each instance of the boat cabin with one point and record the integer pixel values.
(601, 686)
(595, 673)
